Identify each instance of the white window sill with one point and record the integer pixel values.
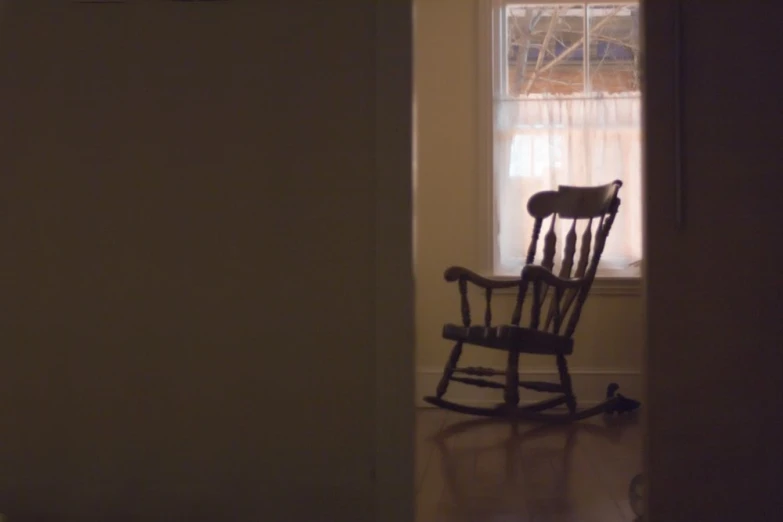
(626, 281)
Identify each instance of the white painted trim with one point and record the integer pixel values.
(604, 286)
(589, 385)
(630, 286)
(574, 2)
(484, 178)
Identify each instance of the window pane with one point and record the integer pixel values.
(535, 155)
(614, 47)
(545, 49)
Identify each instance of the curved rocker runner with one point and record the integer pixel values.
(591, 208)
(614, 403)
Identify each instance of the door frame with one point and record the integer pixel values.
(394, 290)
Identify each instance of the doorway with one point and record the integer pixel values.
(465, 467)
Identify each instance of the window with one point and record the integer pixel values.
(566, 110)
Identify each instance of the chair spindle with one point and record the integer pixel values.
(488, 309)
(464, 303)
(535, 314)
(531, 251)
(550, 242)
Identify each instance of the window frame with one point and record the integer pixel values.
(489, 80)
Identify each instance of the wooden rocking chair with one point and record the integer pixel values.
(569, 291)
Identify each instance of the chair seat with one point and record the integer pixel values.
(510, 337)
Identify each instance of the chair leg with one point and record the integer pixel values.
(565, 381)
(448, 371)
(511, 394)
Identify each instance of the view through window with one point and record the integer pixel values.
(567, 111)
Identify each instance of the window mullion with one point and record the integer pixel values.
(588, 85)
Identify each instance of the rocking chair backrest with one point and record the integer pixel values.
(596, 207)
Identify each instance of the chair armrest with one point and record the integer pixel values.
(456, 273)
(535, 273)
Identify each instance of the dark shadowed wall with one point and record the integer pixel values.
(188, 267)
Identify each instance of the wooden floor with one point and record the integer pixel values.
(476, 470)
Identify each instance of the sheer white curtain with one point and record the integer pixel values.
(543, 141)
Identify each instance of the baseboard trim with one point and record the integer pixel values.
(589, 385)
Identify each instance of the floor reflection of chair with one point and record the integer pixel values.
(506, 471)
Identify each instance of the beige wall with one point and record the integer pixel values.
(188, 277)
(609, 339)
